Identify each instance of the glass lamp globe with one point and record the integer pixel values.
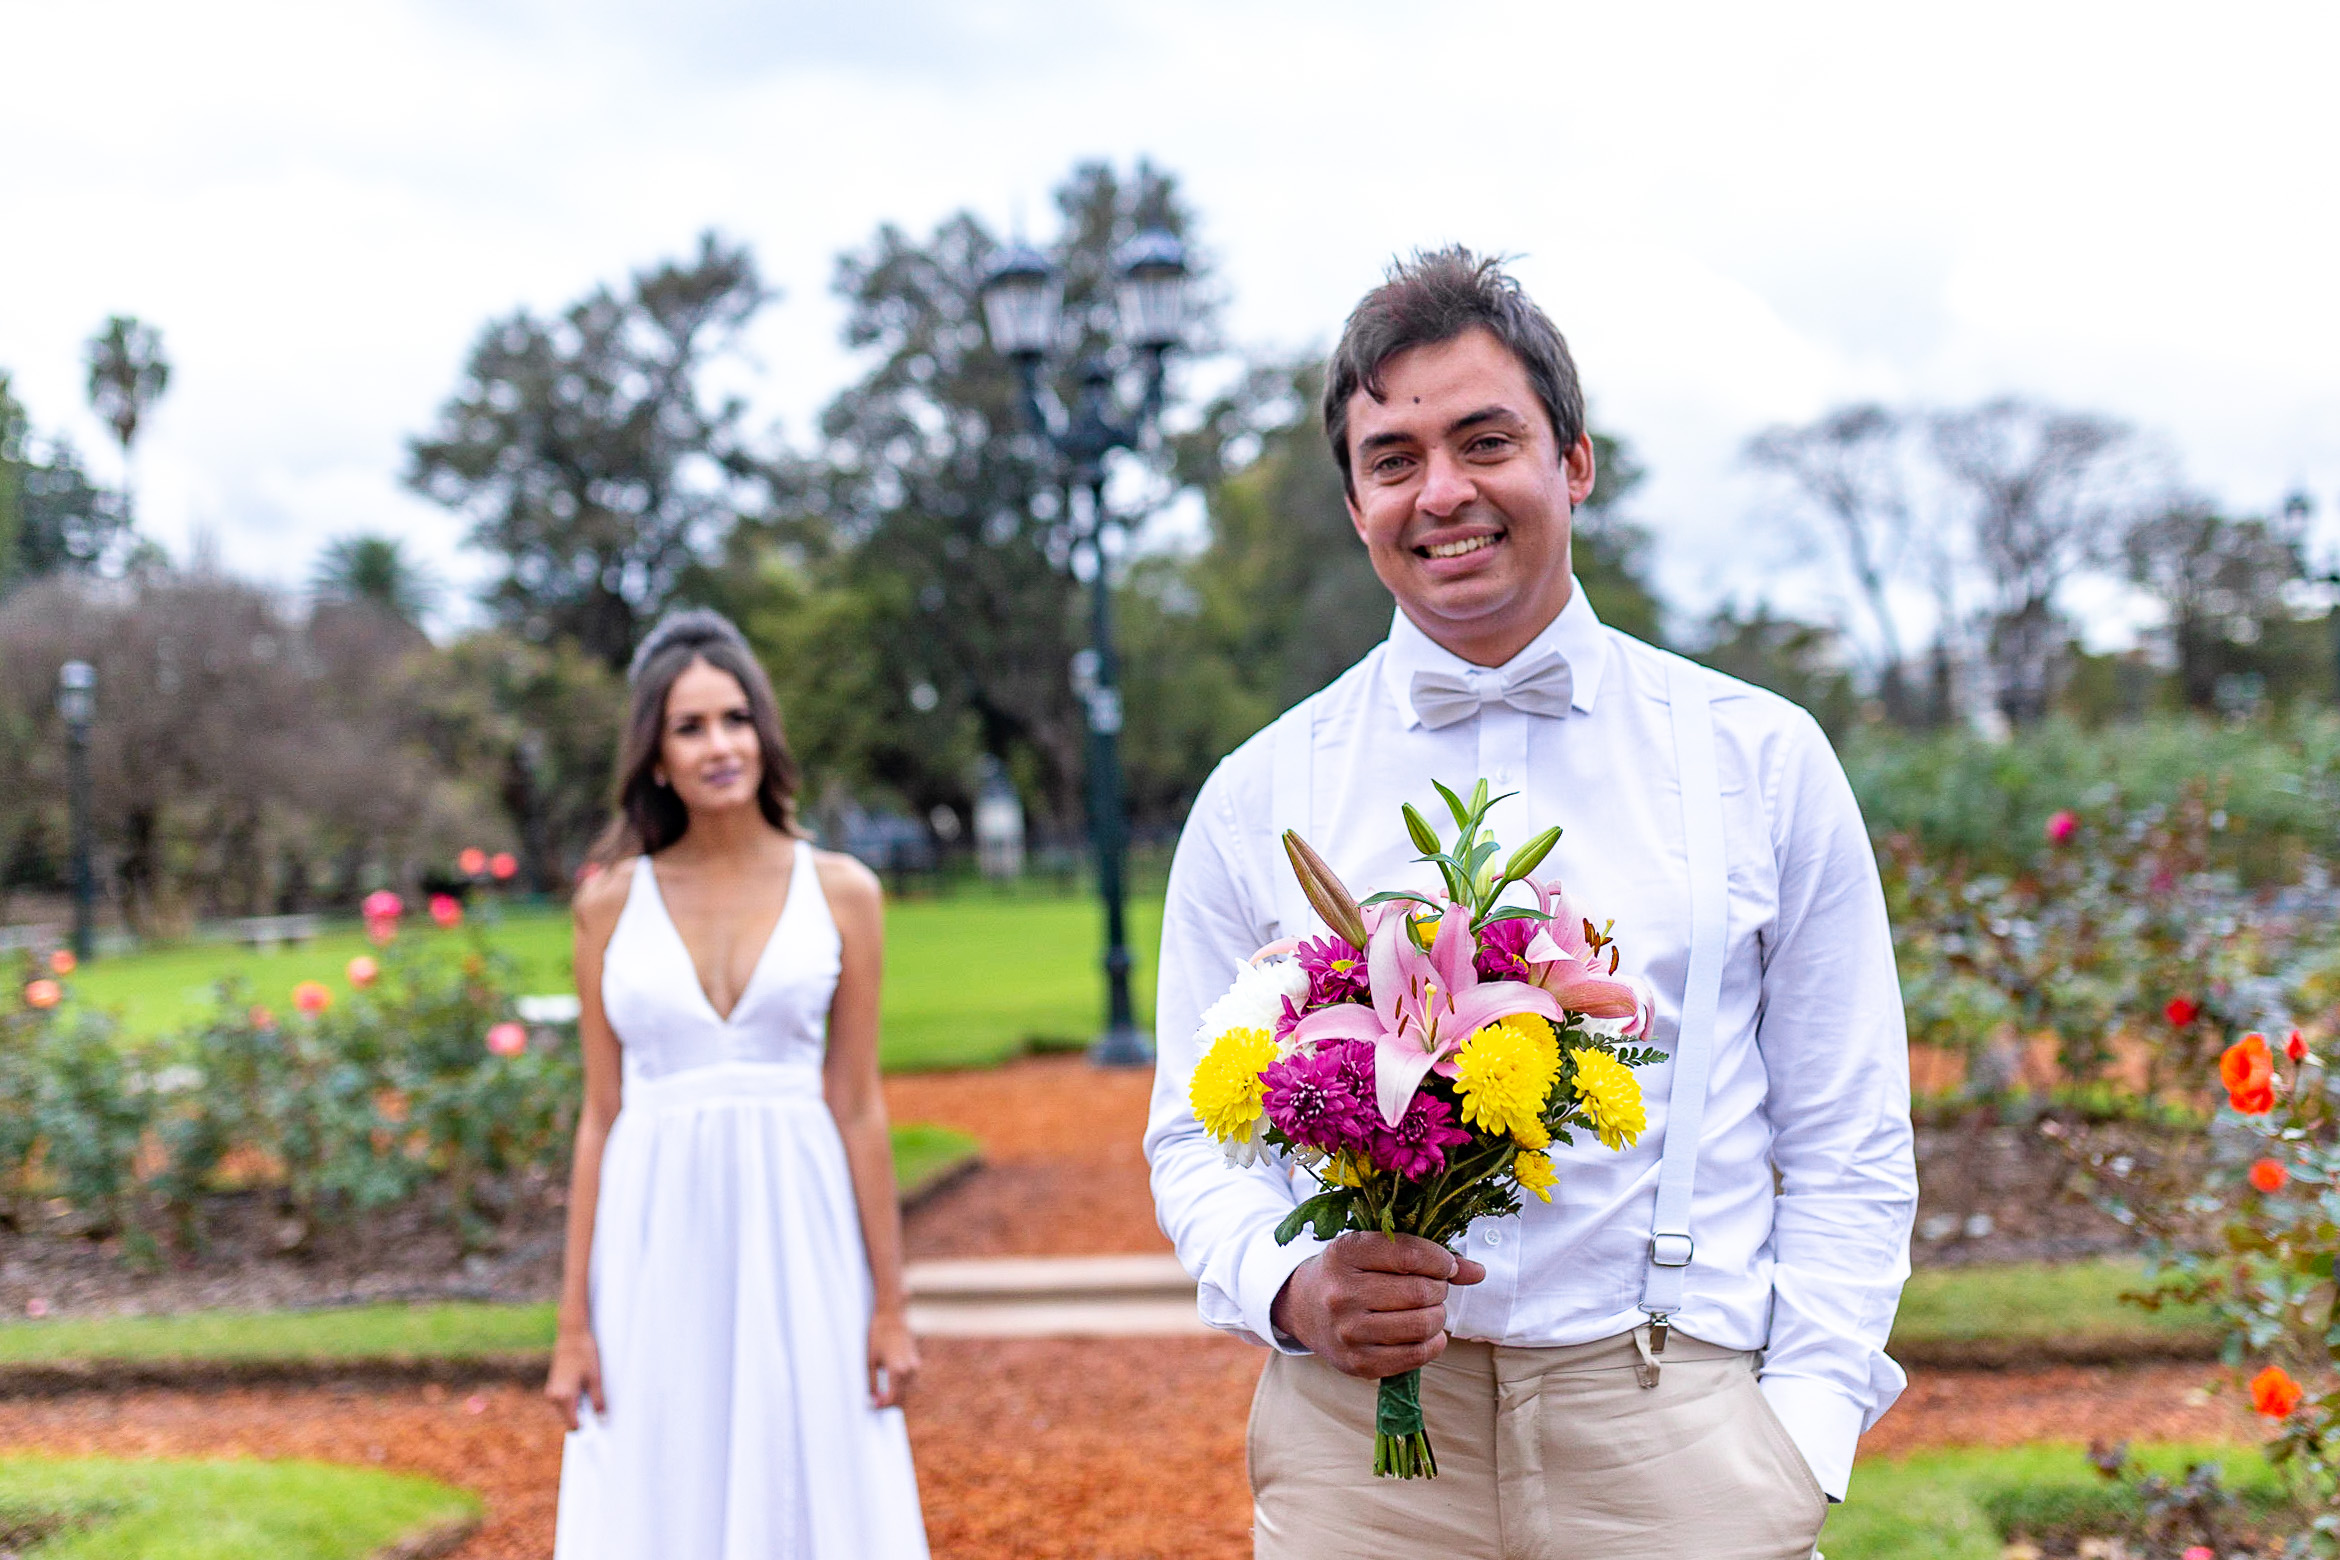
(1153, 289)
(1019, 303)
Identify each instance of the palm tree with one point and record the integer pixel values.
(375, 571)
(127, 375)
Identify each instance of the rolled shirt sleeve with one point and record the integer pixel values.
(1835, 1051)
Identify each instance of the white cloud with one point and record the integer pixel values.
(1740, 214)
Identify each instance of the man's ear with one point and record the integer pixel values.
(1578, 465)
(1356, 515)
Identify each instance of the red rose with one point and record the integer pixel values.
(2181, 1011)
(2268, 1175)
(2062, 824)
(2295, 1047)
(2247, 1068)
(447, 910)
(471, 861)
(503, 866)
(2274, 1393)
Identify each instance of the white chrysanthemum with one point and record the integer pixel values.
(1255, 1001)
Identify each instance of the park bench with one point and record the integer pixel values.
(266, 932)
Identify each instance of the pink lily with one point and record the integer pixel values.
(1425, 1005)
(1562, 961)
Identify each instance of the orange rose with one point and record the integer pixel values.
(2247, 1068)
(43, 994)
(312, 997)
(2268, 1175)
(2274, 1393)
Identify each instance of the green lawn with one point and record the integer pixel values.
(2021, 1301)
(1966, 1504)
(221, 1510)
(971, 979)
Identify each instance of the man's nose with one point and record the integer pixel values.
(1446, 487)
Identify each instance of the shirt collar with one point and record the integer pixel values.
(1576, 633)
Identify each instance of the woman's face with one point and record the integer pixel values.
(708, 750)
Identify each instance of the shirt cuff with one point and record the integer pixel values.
(1265, 1268)
(1824, 1424)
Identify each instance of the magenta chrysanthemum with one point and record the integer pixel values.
(1286, 1021)
(1325, 1100)
(1503, 949)
(1336, 971)
(1417, 1145)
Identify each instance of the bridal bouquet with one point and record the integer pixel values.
(1420, 1062)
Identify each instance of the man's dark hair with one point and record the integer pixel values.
(1434, 297)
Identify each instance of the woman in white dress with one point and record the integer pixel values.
(733, 1349)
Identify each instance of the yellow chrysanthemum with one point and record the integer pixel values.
(1534, 1173)
(1226, 1090)
(1533, 1134)
(1504, 1074)
(1609, 1096)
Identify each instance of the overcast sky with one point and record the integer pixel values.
(1739, 214)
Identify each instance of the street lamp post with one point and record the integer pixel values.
(1022, 310)
(77, 703)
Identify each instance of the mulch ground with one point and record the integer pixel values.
(1027, 1449)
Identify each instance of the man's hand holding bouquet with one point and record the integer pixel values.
(1421, 1061)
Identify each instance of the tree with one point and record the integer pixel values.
(933, 520)
(127, 375)
(52, 515)
(1850, 466)
(2222, 583)
(2046, 492)
(586, 454)
(376, 571)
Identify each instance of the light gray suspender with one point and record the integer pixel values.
(1292, 806)
(1670, 1245)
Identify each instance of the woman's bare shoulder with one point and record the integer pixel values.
(848, 885)
(601, 898)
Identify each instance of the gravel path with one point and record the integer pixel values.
(1027, 1449)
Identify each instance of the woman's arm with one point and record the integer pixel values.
(576, 1366)
(855, 1099)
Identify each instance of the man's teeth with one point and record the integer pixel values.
(1457, 549)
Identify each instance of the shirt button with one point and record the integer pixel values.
(1493, 1237)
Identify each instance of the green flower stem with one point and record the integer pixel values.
(1401, 1443)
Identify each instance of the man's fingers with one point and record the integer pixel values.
(1371, 1329)
(1467, 1272)
(1394, 1254)
(1375, 1361)
(1395, 1292)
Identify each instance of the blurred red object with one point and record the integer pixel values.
(381, 904)
(2268, 1175)
(507, 1038)
(312, 997)
(2062, 824)
(447, 910)
(2274, 1393)
(62, 962)
(363, 971)
(503, 866)
(261, 1018)
(471, 861)
(43, 994)
(2295, 1047)
(2182, 1011)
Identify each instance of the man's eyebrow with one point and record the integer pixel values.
(1485, 414)
(1377, 441)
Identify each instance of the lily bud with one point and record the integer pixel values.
(1531, 855)
(1425, 838)
(1327, 894)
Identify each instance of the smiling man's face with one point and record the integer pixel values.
(1462, 495)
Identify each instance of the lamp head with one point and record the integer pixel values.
(1153, 289)
(77, 692)
(1019, 303)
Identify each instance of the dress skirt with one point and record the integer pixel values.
(731, 1304)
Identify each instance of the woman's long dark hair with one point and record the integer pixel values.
(651, 816)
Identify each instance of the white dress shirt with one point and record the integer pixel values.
(1810, 1064)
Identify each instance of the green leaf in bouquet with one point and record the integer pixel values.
(1454, 804)
(1508, 913)
(1324, 1215)
(1393, 895)
(1479, 801)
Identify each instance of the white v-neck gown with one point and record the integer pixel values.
(731, 1291)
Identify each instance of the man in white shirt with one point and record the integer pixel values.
(1455, 415)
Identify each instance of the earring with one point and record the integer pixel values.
(658, 778)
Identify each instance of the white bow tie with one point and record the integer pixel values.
(1543, 686)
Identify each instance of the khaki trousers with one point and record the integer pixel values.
(1543, 1454)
